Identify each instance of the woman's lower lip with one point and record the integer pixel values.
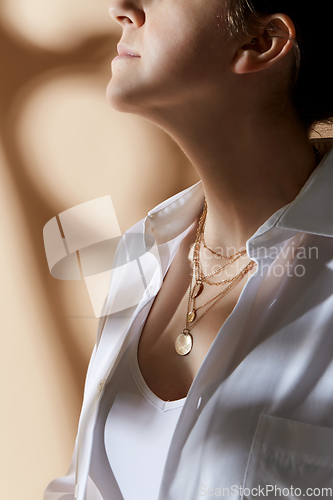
(126, 56)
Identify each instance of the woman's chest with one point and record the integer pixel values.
(167, 373)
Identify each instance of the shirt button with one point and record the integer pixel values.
(76, 491)
(101, 385)
(199, 403)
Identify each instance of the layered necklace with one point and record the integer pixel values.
(199, 281)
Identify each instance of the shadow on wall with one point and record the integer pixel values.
(24, 67)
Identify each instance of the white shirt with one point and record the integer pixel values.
(134, 434)
(260, 410)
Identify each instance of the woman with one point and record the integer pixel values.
(218, 383)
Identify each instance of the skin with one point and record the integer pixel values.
(225, 102)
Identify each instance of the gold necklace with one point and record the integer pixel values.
(218, 255)
(201, 280)
(205, 278)
(184, 341)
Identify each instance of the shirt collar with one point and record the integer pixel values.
(310, 212)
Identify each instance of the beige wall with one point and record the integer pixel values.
(60, 145)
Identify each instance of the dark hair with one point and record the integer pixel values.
(312, 89)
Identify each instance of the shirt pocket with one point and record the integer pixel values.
(293, 456)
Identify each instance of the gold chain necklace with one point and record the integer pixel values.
(184, 341)
(201, 278)
(218, 255)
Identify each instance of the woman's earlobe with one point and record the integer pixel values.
(271, 45)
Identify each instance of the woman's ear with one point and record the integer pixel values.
(274, 40)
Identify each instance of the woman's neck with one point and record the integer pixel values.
(249, 169)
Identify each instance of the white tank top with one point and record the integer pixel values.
(138, 430)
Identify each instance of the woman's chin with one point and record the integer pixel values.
(115, 98)
(121, 98)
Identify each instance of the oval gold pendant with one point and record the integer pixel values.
(191, 316)
(197, 290)
(184, 343)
